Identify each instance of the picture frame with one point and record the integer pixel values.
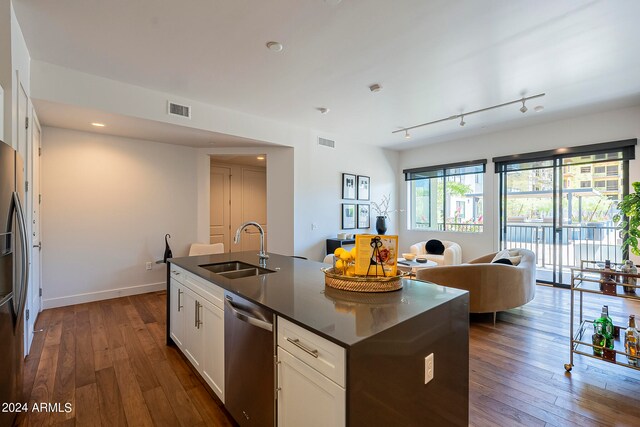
(364, 216)
(348, 215)
(364, 187)
(349, 189)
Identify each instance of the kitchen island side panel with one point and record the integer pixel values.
(386, 372)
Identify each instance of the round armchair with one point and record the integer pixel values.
(492, 287)
(452, 253)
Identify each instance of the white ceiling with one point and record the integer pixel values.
(80, 118)
(433, 58)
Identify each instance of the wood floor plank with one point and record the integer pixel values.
(160, 409)
(85, 366)
(138, 359)
(110, 399)
(87, 406)
(135, 408)
(101, 351)
(43, 385)
(64, 388)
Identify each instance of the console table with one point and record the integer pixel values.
(333, 244)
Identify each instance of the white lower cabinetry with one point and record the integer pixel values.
(213, 335)
(197, 325)
(177, 313)
(306, 397)
(311, 378)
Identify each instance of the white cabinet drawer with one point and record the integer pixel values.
(319, 353)
(202, 287)
(177, 273)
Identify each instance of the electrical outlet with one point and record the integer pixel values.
(428, 368)
(149, 265)
(314, 226)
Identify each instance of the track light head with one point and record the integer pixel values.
(407, 135)
(462, 122)
(524, 108)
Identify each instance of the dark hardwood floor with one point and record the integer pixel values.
(110, 361)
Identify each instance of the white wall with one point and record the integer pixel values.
(318, 189)
(589, 129)
(107, 203)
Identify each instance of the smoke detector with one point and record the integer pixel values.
(375, 87)
(274, 46)
(323, 110)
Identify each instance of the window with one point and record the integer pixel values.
(585, 169)
(599, 169)
(612, 185)
(612, 170)
(585, 184)
(446, 197)
(599, 184)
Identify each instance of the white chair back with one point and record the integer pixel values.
(206, 249)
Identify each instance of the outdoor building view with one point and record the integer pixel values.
(586, 197)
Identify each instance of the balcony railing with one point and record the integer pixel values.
(573, 243)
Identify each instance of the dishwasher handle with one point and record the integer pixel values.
(247, 317)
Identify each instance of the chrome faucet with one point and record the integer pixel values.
(263, 256)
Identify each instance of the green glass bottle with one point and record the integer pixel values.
(607, 326)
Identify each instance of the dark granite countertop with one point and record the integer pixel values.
(297, 292)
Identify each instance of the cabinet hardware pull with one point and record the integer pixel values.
(303, 347)
(199, 318)
(177, 273)
(179, 299)
(196, 314)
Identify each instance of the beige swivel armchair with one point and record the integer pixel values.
(452, 253)
(492, 287)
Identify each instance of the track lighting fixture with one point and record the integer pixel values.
(460, 116)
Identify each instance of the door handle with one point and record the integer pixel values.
(21, 298)
(179, 299)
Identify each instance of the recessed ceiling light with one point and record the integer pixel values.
(260, 157)
(375, 87)
(98, 125)
(274, 46)
(538, 108)
(323, 110)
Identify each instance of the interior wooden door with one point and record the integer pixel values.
(220, 207)
(254, 207)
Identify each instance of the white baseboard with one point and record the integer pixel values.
(102, 295)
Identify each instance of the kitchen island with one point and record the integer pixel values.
(371, 348)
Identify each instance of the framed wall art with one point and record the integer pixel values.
(348, 216)
(348, 186)
(364, 216)
(363, 187)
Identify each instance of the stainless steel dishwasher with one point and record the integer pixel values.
(249, 349)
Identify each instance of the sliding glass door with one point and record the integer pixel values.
(560, 205)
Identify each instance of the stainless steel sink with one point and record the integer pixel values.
(236, 269)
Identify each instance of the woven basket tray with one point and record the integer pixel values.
(361, 284)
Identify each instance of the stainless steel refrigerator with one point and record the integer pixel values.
(13, 279)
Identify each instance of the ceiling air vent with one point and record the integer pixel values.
(179, 110)
(326, 142)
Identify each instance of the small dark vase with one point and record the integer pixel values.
(381, 224)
